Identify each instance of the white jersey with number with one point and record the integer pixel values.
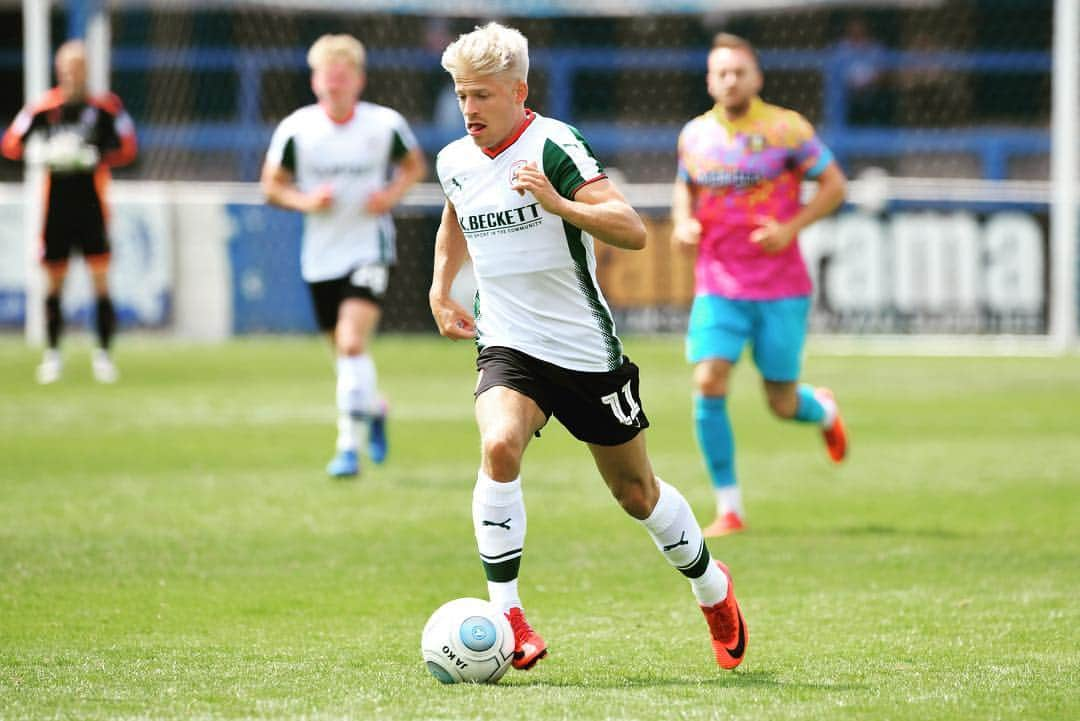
(355, 158)
(535, 273)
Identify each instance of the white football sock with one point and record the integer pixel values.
(710, 588)
(357, 392)
(729, 498)
(677, 534)
(357, 397)
(504, 596)
(829, 405)
(498, 511)
(347, 436)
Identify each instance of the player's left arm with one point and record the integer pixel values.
(817, 162)
(410, 170)
(598, 208)
(409, 166)
(121, 145)
(827, 197)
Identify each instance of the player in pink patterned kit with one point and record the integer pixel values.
(737, 203)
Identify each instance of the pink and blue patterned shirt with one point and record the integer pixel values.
(739, 173)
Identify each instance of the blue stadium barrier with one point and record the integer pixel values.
(268, 293)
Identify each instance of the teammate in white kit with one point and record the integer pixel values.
(525, 197)
(345, 164)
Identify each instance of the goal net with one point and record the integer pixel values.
(937, 111)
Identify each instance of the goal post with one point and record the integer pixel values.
(1065, 162)
(36, 64)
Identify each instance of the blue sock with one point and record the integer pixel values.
(715, 438)
(809, 409)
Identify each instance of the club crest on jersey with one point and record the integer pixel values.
(756, 143)
(514, 168)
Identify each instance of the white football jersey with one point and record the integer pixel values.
(355, 157)
(535, 273)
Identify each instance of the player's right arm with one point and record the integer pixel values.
(11, 146)
(278, 178)
(280, 189)
(452, 320)
(685, 228)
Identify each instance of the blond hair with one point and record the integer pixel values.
(488, 50)
(329, 48)
(731, 41)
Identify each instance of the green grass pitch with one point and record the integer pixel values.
(170, 547)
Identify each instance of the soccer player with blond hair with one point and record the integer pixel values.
(331, 161)
(525, 198)
(737, 205)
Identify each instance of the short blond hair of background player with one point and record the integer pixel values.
(734, 42)
(488, 50)
(329, 48)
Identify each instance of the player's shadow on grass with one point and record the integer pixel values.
(869, 530)
(723, 679)
(875, 529)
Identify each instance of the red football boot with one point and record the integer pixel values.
(835, 437)
(726, 524)
(529, 647)
(727, 626)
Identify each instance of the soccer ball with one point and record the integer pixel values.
(467, 640)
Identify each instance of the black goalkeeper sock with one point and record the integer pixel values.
(106, 321)
(54, 320)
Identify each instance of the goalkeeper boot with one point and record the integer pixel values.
(51, 368)
(727, 626)
(529, 647)
(345, 464)
(103, 367)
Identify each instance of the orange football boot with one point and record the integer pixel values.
(728, 628)
(727, 523)
(835, 437)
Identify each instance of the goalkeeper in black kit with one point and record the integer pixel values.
(83, 137)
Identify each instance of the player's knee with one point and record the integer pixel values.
(711, 378)
(710, 384)
(783, 406)
(502, 454)
(637, 496)
(349, 345)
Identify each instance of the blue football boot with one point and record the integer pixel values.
(378, 445)
(344, 464)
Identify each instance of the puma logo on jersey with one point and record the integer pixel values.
(453, 186)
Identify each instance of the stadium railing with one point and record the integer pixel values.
(246, 135)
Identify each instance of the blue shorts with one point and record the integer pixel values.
(776, 330)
